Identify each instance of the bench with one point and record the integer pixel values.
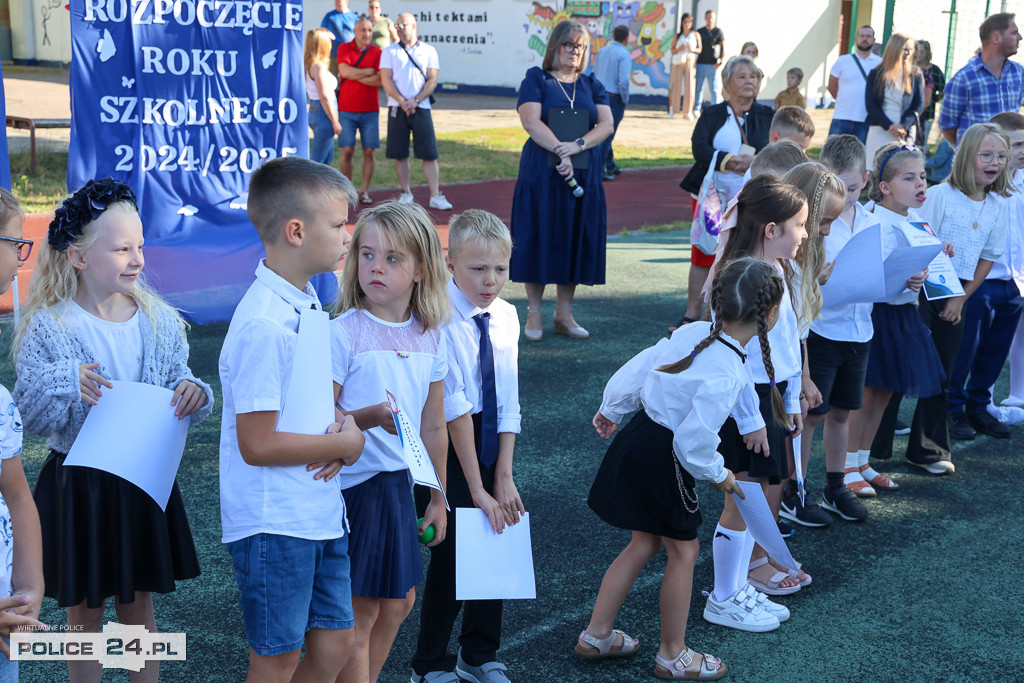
(32, 125)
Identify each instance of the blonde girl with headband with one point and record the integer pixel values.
(388, 338)
(90, 319)
(770, 226)
(902, 359)
(320, 92)
(686, 387)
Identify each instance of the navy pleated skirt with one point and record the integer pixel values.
(383, 542)
(903, 358)
(103, 536)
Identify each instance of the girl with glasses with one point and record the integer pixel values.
(969, 211)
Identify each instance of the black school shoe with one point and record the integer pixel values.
(984, 423)
(809, 515)
(844, 503)
(960, 427)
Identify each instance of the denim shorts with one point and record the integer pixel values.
(291, 585)
(368, 124)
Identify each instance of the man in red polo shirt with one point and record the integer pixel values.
(358, 63)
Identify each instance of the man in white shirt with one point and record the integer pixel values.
(408, 74)
(846, 82)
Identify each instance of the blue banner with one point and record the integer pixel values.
(183, 99)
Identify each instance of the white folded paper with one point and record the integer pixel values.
(416, 456)
(761, 523)
(133, 433)
(309, 399)
(943, 281)
(492, 566)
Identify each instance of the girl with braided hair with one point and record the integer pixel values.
(686, 385)
(770, 226)
(90, 319)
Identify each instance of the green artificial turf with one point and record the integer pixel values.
(925, 590)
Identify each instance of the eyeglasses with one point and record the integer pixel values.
(574, 48)
(408, 23)
(24, 247)
(987, 157)
(907, 51)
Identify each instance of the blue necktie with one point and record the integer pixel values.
(489, 416)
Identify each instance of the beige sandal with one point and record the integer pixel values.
(534, 334)
(681, 668)
(601, 648)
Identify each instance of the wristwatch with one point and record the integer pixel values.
(582, 143)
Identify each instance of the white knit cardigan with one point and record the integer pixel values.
(47, 392)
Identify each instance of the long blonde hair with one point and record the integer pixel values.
(962, 176)
(318, 47)
(893, 64)
(407, 227)
(821, 187)
(55, 282)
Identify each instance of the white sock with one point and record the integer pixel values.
(727, 551)
(862, 459)
(852, 463)
(744, 568)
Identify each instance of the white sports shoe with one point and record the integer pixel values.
(405, 198)
(780, 612)
(1013, 402)
(1008, 415)
(740, 611)
(440, 202)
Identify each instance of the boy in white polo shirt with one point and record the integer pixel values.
(481, 406)
(282, 512)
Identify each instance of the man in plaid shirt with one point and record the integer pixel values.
(989, 84)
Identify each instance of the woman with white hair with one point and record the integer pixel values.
(737, 129)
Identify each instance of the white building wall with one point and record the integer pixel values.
(41, 30)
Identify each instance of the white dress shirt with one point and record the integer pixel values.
(693, 404)
(463, 384)
(849, 322)
(1010, 265)
(255, 368)
(784, 340)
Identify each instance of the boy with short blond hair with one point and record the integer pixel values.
(282, 513)
(792, 123)
(791, 96)
(481, 405)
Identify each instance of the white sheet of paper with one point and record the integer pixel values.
(133, 434)
(416, 456)
(490, 566)
(857, 276)
(761, 523)
(903, 263)
(309, 400)
(943, 281)
(800, 489)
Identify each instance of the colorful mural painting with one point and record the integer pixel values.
(651, 27)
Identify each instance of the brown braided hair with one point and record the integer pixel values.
(743, 292)
(762, 305)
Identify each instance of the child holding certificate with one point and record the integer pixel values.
(968, 211)
(388, 338)
(90, 319)
(481, 405)
(686, 387)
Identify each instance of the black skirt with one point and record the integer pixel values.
(104, 536)
(774, 468)
(641, 487)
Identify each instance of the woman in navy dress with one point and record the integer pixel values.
(559, 239)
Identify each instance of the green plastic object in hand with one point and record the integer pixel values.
(428, 534)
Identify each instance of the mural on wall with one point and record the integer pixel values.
(651, 27)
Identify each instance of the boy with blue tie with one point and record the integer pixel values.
(481, 405)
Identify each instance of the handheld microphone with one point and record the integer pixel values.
(577, 191)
